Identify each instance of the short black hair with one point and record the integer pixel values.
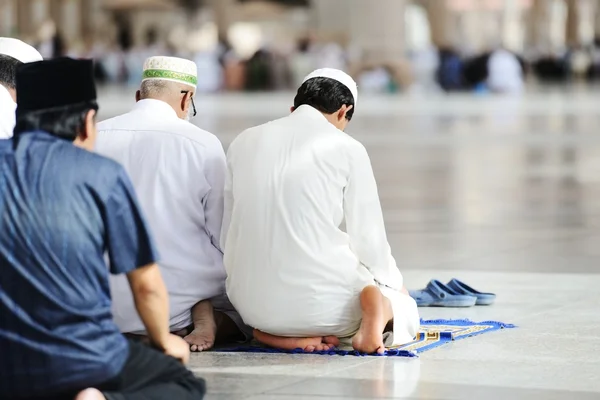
(64, 122)
(326, 95)
(8, 71)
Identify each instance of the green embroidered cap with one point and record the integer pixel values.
(171, 69)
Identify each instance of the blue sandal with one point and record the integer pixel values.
(436, 294)
(483, 299)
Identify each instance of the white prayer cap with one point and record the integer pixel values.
(19, 50)
(171, 69)
(337, 75)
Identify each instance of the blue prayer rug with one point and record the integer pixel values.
(433, 334)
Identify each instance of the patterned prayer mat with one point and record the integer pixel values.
(433, 333)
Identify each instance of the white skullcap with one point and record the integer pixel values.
(19, 50)
(171, 69)
(337, 75)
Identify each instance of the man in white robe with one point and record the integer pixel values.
(13, 53)
(293, 272)
(178, 171)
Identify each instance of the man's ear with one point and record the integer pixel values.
(343, 112)
(138, 96)
(86, 138)
(90, 125)
(184, 101)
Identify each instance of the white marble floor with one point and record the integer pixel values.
(503, 193)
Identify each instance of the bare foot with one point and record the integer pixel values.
(203, 336)
(90, 394)
(376, 313)
(288, 343)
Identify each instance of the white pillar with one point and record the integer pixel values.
(539, 38)
(222, 11)
(8, 17)
(377, 29)
(332, 18)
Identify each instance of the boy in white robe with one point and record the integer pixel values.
(293, 272)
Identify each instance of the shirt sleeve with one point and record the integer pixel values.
(128, 239)
(228, 207)
(364, 221)
(215, 168)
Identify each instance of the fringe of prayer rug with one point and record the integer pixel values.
(433, 334)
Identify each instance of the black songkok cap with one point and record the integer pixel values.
(54, 83)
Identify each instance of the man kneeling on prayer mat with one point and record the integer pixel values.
(293, 272)
(178, 171)
(62, 208)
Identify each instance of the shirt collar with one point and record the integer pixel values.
(156, 107)
(309, 112)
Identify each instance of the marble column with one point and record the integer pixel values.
(8, 17)
(442, 21)
(573, 38)
(222, 10)
(377, 29)
(331, 19)
(581, 22)
(24, 14)
(538, 35)
(596, 14)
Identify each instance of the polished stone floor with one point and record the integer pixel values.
(503, 193)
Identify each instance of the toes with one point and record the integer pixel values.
(381, 350)
(309, 349)
(331, 340)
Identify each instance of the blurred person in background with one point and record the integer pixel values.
(61, 209)
(234, 71)
(450, 71)
(178, 171)
(135, 57)
(293, 273)
(13, 53)
(51, 43)
(207, 59)
(505, 73)
(580, 62)
(425, 63)
(332, 55)
(210, 70)
(259, 71)
(376, 79)
(302, 62)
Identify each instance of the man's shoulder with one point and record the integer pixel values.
(171, 129)
(258, 130)
(111, 123)
(195, 134)
(81, 166)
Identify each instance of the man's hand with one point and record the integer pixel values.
(178, 348)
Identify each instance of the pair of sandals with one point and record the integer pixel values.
(453, 294)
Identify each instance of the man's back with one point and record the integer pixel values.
(178, 173)
(285, 239)
(56, 326)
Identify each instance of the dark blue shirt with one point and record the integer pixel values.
(61, 209)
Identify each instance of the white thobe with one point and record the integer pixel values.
(7, 113)
(178, 171)
(505, 74)
(292, 270)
